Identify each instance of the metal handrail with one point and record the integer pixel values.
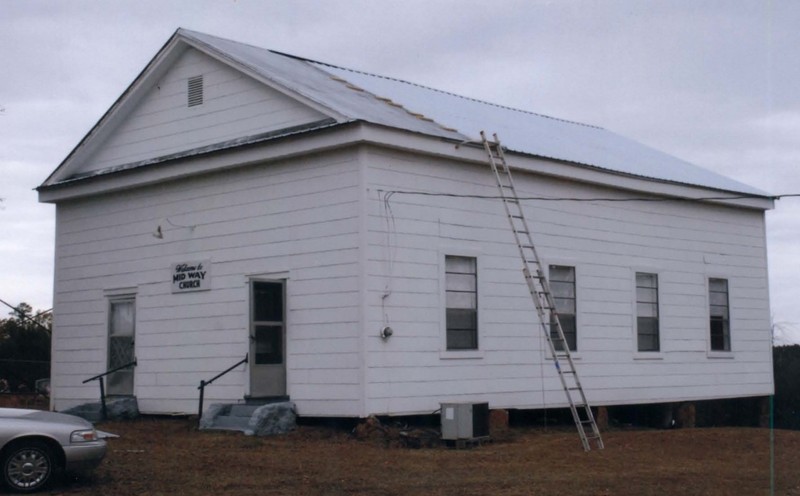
(99, 378)
(203, 384)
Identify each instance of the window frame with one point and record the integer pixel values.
(114, 297)
(714, 352)
(460, 251)
(577, 299)
(659, 314)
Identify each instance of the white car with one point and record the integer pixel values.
(34, 444)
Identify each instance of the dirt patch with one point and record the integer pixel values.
(168, 456)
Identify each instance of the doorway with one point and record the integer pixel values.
(267, 338)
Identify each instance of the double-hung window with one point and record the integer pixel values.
(647, 312)
(461, 294)
(562, 287)
(719, 315)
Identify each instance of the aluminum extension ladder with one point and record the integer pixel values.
(539, 288)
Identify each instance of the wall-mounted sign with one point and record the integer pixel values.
(191, 276)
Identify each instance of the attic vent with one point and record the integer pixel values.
(195, 87)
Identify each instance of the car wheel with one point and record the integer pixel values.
(28, 466)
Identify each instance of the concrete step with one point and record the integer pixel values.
(117, 407)
(227, 422)
(242, 410)
(259, 420)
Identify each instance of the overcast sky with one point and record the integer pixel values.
(712, 82)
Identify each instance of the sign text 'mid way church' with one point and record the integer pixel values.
(191, 276)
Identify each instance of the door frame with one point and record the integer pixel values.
(254, 368)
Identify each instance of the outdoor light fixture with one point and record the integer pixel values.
(386, 333)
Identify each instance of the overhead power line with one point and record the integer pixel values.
(390, 193)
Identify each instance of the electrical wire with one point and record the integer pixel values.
(389, 193)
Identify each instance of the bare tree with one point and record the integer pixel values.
(785, 333)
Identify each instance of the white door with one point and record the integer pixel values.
(267, 339)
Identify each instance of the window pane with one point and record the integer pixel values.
(720, 299)
(562, 289)
(565, 306)
(461, 300)
(462, 319)
(267, 302)
(122, 318)
(269, 344)
(647, 342)
(460, 282)
(645, 280)
(717, 311)
(646, 310)
(569, 329)
(718, 285)
(562, 273)
(461, 265)
(647, 325)
(647, 295)
(458, 339)
(120, 351)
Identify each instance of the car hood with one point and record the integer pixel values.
(42, 416)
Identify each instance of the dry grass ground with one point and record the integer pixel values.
(167, 456)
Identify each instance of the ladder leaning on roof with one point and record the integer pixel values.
(539, 288)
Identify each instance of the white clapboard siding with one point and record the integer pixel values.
(684, 243)
(298, 217)
(162, 123)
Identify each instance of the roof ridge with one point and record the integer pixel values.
(389, 78)
(430, 88)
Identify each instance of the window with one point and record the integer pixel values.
(562, 286)
(719, 315)
(121, 332)
(647, 311)
(461, 295)
(195, 91)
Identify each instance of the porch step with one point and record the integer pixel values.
(117, 407)
(258, 420)
(242, 410)
(231, 423)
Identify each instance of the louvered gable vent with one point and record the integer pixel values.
(195, 87)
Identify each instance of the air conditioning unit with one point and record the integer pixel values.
(462, 421)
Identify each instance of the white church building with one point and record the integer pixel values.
(236, 203)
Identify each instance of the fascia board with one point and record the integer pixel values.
(416, 143)
(277, 149)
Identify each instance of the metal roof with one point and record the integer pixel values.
(356, 95)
